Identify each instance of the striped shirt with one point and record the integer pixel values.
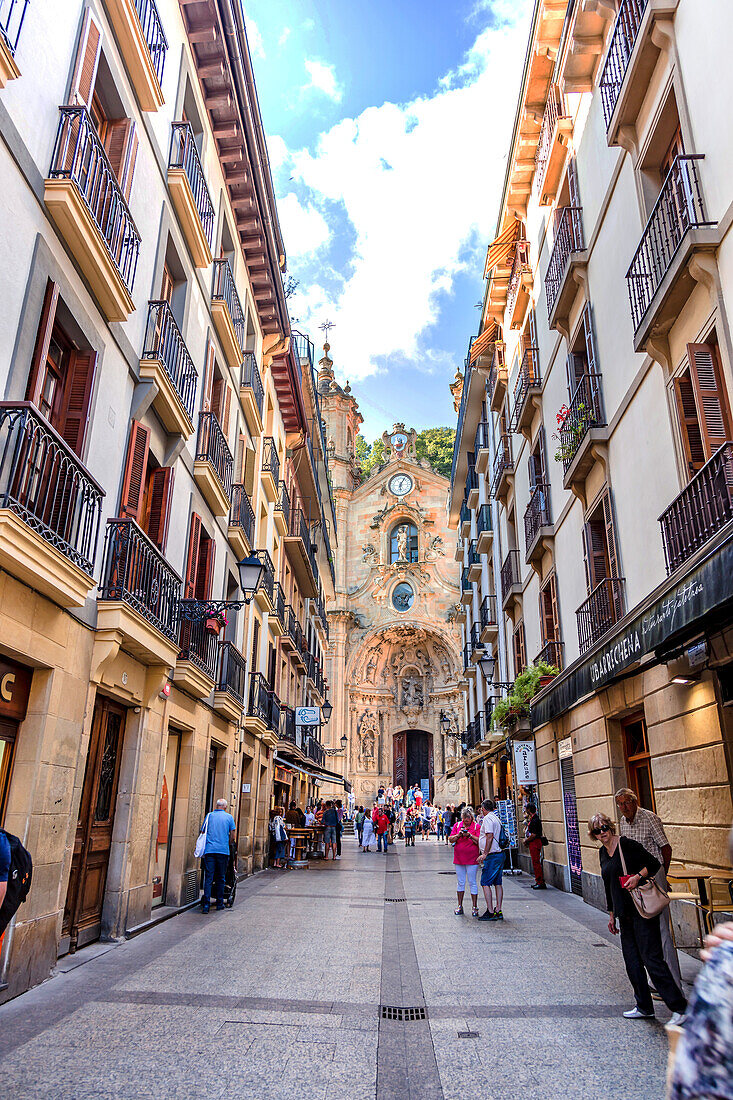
(647, 830)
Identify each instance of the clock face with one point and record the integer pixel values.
(400, 485)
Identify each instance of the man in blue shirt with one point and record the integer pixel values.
(4, 872)
(219, 840)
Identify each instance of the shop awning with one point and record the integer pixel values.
(483, 342)
(314, 771)
(502, 247)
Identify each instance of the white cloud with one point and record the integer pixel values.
(323, 79)
(254, 37)
(286, 32)
(304, 228)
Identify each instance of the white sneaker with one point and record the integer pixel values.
(338, 857)
(636, 1014)
(678, 1019)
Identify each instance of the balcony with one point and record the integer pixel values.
(471, 489)
(700, 511)
(138, 595)
(498, 377)
(85, 201)
(11, 24)
(511, 579)
(190, 194)
(659, 278)
(166, 362)
(568, 261)
(583, 431)
(258, 714)
(282, 509)
(197, 665)
(301, 554)
(241, 530)
(520, 285)
(212, 468)
(481, 448)
(489, 621)
(464, 528)
(474, 562)
(251, 393)
(551, 654)
(603, 609)
(467, 658)
(314, 751)
(552, 147)
(538, 529)
(466, 588)
(484, 529)
(527, 397)
(270, 471)
(276, 618)
(50, 508)
(265, 592)
(503, 471)
(230, 687)
(226, 309)
(139, 34)
(288, 731)
(314, 675)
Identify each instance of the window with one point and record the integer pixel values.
(638, 760)
(702, 404)
(537, 464)
(8, 732)
(599, 544)
(217, 395)
(520, 650)
(147, 488)
(582, 362)
(199, 562)
(549, 612)
(665, 144)
(403, 543)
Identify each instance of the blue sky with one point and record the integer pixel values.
(388, 125)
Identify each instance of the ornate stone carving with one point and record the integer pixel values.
(370, 553)
(436, 549)
(402, 534)
(368, 737)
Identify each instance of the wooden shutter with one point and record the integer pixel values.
(689, 424)
(166, 285)
(548, 607)
(610, 529)
(77, 397)
(205, 567)
(250, 462)
(87, 61)
(192, 557)
(577, 368)
(226, 411)
(541, 457)
(217, 398)
(133, 483)
(116, 132)
(710, 395)
(43, 341)
(128, 167)
(160, 495)
(573, 182)
(208, 377)
(532, 470)
(520, 656)
(255, 645)
(595, 553)
(590, 343)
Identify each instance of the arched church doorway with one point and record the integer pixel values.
(413, 758)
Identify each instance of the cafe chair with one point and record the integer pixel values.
(720, 895)
(684, 888)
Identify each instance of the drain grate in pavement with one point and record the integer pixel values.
(446, 872)
(600, 945)
(468, 1034)
(395, 899)
(393, 1012)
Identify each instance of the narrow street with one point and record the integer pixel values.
(280, 997)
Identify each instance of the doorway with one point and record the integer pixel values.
(92, 843)
(413, 758)
(166, 812)
(570, 808)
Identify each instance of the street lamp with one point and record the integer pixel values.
(337, 751)
(251, 571)
(444, 722)
(327, 711)
(487, 661)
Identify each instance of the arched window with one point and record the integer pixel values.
(403, 542)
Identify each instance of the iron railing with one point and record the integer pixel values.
(79, 155)
(466, 656)
(164, 342)
(481, 441)
(488, 612)
(465, 512)
(287, 724)
(679, 208)
(551, 653)
(298, 529)
(44, 483)
(211, 446)
(520, 265)
(293, 627)
(274, 712)
(282, 504)
(484, 522)
(537, 513)
(585, 411)
(528, 378)
(153, 34)
(232, 671)
(471, 477)
(554, 110)
(475, 639)
(270, 460)
(602, 610)
(200, 647)
(224, 290)
(510, 571)
(258, 704)
(12, 14)
(701, 509)
(241, 513)
(568, 239)
(474, 558)
(466, 585)
(185, 155)
(625, 30)
(267, 584)
(315, 751)
(250, 379)
(503, 462)
(278, 602)
(135, 572)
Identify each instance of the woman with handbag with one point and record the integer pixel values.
(636, 901)
(534, 841)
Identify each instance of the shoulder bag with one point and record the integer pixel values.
(201, 841)
(648, 898)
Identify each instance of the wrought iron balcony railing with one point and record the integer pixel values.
(474, 558)
(466, 655)
(475, 638)
(185, 155)
(270, 460)
(551, 653)
(12, 14)
(241, 513)
(136, 573)
(603, 609)
(488, 612)
(211, 446)
(267, 584)
(250, 379)
(224, 290)
(568, 239)
(44, 483)
(153, 34)
(585, 411)
(678, 209)
(466, 585)
(258, 705)
(199, 647)
(510, 571)
(298, 529)
(625, 31)
(315, 751)
(528, 378)
(703, 507)
(481, 442)
(537, 513)
(465, 512)
(554, 110)
(232, 671)
(79, 155)
(484, 522)
(471, 479)
(287, 724)
(164, 342)
(274, 712)
(282, 504)
(278, 601)
(503, 462)
(520, 265)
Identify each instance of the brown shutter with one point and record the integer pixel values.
(116, 133)
(610, 529)
(128, 168)
(520, 656)
(205, 567)
(255, 645)
(689, 423)
(573, 182)
(551, 617)
(192, 557)
(250, 462)
(87, 61)
(710, 395)
(546, 614)
(43, 341)
(77, 397)
(159, 510)
(208, 377)
(227, 407)
(541, 460)
(590, 344)
(133, 483)
(577, 368)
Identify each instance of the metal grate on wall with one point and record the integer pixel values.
(190, 887)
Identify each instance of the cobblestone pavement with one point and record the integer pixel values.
(280, 997)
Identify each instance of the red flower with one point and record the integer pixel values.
(562, 415)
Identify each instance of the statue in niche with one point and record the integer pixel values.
(402, 543)
(368, 742)
(412, 693)
(371, 667)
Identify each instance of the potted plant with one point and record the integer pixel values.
(214, 620)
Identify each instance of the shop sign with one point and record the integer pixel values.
(565, 748)
(15, 687)
(246, 788)
(283, 775)
(704, 589)
(307, 716)
(525, 763)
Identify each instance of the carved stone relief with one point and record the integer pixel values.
(368, 737)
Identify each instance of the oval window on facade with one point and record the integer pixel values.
(403, 596)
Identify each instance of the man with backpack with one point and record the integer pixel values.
(16, 869)
(492, 842)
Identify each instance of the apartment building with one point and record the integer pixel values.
(158, 427)
(595, 426)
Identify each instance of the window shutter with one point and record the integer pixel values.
(586, 559)
(590, 344)
(205, 568)
(710, 395)
(128, 169)
(250, 462)
(217, 398)
(577, 369)
(208, 378)
(87, 61)
(77, 398)
(541, 459)
(520, 657)
(227, 407)
(552, 613)
(116, 133)
(133, 483)
(689, 423)
(192, 557)
(546, 615)
(595, 534)
(43, 341)
(159, 510)
(532, 470)
(573, 182)
(610, 526)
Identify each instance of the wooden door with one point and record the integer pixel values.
(85, 895)
(399, 769)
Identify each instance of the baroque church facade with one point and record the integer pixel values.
(394, 663)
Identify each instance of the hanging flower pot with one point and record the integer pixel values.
(545, 680)
(213, 626)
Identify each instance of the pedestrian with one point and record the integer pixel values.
(418, 797)
(382, 828)
(493, 861)
(219, 827)
(410, 830)
(625, 864)
(368, 836)
(646, 828)
(330, 829)
(464, 839)
(360, 815)
(439, 828)
(447, 826)
(340, 827)
(380, 792)
(293, 817)
(533, 840)
(310, 818)
(279, 832)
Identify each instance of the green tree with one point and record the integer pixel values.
(436, 444)
(368, 455)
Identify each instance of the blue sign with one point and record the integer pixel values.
(425, 788)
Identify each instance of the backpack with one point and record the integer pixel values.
(503, 839)
(19, 879)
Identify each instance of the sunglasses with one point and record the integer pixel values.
(597, 832)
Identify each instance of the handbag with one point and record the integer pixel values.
(648, 898)
(545, 842)
(201, 841)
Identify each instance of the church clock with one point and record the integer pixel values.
(400, 485)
